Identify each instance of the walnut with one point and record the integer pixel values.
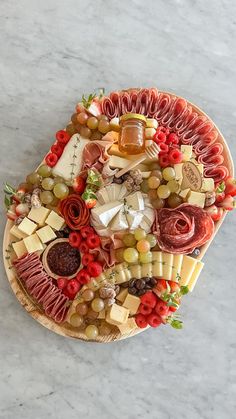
(35, 200)
(107, 293)
(210, 198)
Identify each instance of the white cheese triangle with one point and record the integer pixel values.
(106, 212)
(134, 219)
(119, 222)
(135, 201)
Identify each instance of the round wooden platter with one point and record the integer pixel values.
(65, 329)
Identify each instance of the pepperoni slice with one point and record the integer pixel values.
(75, 212)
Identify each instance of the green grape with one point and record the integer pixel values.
(82, 118)
(143, 246)
(70, 129)
(82, 309)
(129, 240)
(76, 320)
(33, 178)
(85, 132)
(130, 255)
(61, 190)
(145, 257)
(96, 135)
(152, 240)
(92, 122)
(88, 295)
(163, 191)
(46, 197)
(103, 126)
(157, 173)
(155, 166)
(153, 182)
(168, 173)
(152, 194)
(91, 332)
(74, 119)
(174, 200)
(173, 185)
(102, 117)
(139, 234)
(144, 186)
(44, 170)
(119, 255)
(58, 179)
(97, 305)
(158, 203)
(48, 183)
(55, 201)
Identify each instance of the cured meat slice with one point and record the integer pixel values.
(205, 141)
(40, 286)
(181, 229)
(218, 173)
(74, 211)
(212, 157)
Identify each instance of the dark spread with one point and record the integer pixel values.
(63, 260)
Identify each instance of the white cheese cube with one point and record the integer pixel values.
(196, 198)
(46, 234)
(122, 295)
(117, 315)
(187, 269)
(194, 277)
(157, 269)
(119, 276)
(32, 243)
(17, 233)
(131, 303)
(187, 151)
(121, 163)
(55, 221)
(184, 193)
(167, 262)
(39, 215)
(106, 212)
(27, 226)
(19, 248)
(149, 133)
(128, 326)
(208, 184)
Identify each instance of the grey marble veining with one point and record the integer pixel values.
(52, 52)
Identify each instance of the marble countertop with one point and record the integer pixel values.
(51, 53)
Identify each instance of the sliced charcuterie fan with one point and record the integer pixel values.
(106, 237)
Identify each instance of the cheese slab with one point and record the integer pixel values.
(19, 248)
(102, 196)
(14, 231)
(195, 275)
(55, 221)
(135, 201)
(187, 269)
(39, 215)
(27, 226)
(134, 219)
(119, 222)
(167, 261)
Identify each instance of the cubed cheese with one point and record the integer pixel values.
(14, 231)
(184, 193)
(32, 243)
(196, 198)
(106, 212)
(27, 226)
(135, 201)
(122, 295)
(46, 234)
(187, 151)
(55, 221)
(128, 326)
(135, 271)
(194, 277)
(39, 215)
(157, 268)
(121, 163)
(208, 184)
(131, 303)
(167, 262)
(151, 123)
(187, 268)
(149, 133)
(19, 248)
(178, 171)
(145, 175)
(117, 315)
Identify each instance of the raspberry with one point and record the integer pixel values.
(51, 159)
(161, 308)
(163, 148)
(164, 160)
(149, 299)
(154, 320)
(75, 239)
(83, 276)
(62, 283)
(159, 137)
(87, 258)
(145, 310)
(71, 289)
(141, 321)
(175, 156)
(93, 241)
(83, 248)
(62, 137)
(172, 139)
(57, 149)
(94, 269)
(86, 231)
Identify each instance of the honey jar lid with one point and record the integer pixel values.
(127, 116)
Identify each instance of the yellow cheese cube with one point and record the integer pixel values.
(32, 243)
(131, 303)
(178, 171)
(187, 151)
(196, 198)
(117, 315)
(184, 193)
(128, 326)
(167, 261)
(55, 221)
(115, 124)
(17, 233)
(46, 234)
(208, 184)
(27, 226)
(19, 248)
(177, 263)
(194, 277)
(149, 132)
(122, 295)
(151, 123)
(39, 215)
(187, 269)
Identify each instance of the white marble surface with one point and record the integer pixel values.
(52, 52)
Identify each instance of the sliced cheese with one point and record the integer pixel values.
(106, 212)
(167, 262)
(70, 163)
(135, 271)
(187, 268)
(208, 184)
(19, 248)
(146, 270)
(177, 263)
(135, 201)
(194, 277)
(14, 231)
(196, 198)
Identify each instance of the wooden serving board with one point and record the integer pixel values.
(65, 329)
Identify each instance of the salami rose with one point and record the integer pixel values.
(75, 212)
(181, 229)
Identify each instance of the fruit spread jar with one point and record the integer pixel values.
(131, 138)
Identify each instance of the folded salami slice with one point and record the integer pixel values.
(182, 229)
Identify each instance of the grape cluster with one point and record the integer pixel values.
(89, 126)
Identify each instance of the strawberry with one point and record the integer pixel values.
(174, 286)
(227, 203)
(215, 212)
(161, 285)
(22, 209)
(230, 188)
(79, 184)
(220, 197)
(90, 203)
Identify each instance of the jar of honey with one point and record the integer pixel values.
(131, 137)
